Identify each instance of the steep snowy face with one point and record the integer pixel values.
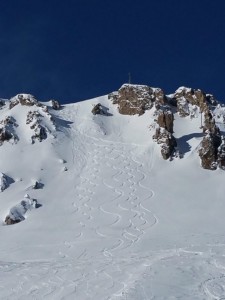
(116, 221)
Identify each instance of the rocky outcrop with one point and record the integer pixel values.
(24, 99)
(7, 131)
(136, 99)
(40, 133)
(97, 109)
(55, 104)
(164, 132)
(34, 120)
(188, 99)
(4, 135)
(209, 152)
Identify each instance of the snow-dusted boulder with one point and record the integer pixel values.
(17, 212)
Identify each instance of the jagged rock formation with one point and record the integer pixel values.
(7, 130)
(188, 99)
(136, 99)
(164, 132)
(55, 104)
(209, 147)
(34, 119)
(39, 120)
(24, 99)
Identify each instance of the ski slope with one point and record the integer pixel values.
(116, 221)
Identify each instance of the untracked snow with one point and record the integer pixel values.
(116, 221)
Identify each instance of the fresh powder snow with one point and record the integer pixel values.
(116, 221)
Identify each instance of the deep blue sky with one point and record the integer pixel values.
(73, 50)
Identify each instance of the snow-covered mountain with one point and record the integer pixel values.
(100, 214)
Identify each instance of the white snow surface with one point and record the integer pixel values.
(120, 223)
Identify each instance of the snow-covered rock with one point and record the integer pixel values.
(187, 98)
(3, 182)
(17, 212)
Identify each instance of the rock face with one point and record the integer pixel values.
(136, 99)
(55, 104)
(164, 132)
(188, 99)
(209, 151)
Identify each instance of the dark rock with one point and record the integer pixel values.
(3, 182)
(17, 212)
(37, 185)
(40, 133)
(9, 221)
(165, 120)
(24, 99)
(136, 99)
(208, 152)
(4, 135)
(2, 103)
(211, 151)
(211, 100)
(97, 109)
(221, 155)
(187, 97)
(55, 104)
(163, 134)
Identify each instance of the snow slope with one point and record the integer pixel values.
(116, 221)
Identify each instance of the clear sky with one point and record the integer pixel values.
(72, 50)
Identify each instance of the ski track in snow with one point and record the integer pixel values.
(125, 215)
(113, 270)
